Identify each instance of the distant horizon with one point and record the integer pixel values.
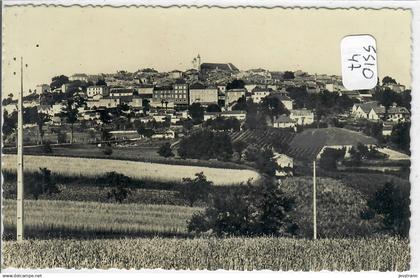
(106, 40)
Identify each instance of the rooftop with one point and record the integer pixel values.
(308, 143)
(218, 66)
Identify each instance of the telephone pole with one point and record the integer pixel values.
(314, 196)
(20, 188)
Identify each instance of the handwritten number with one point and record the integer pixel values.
(369, 57)
(369, 48)
(368, 73)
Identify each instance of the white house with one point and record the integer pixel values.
(203, 95)
(105, 102)
(42, 88)
(361, 110)
(79, 76)
(285, 163)
(302, 116)
(168, 134)
(259, 93)
(239, 115)
(284, 121)
(398, 114)
(233, 95)
(97, 92)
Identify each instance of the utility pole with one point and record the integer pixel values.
(314, 196)
(20, 187)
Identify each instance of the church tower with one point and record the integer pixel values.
(198, 62)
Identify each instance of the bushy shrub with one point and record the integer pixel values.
(120, 184)
(393, 203)
(206, 144)
(107, 150)
(249, 211)
(42, 184)
(195, 189)
(46, 147)
(165, 150)
(330, 157)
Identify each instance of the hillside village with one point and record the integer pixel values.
(150, 107)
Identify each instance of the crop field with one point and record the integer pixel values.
(66, 219)
(263, 138)
(143, 152)
(134, 169)
(338, 208)
(381, 254)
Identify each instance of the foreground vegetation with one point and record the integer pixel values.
(338, 208)
(67, 219)
(382, 254)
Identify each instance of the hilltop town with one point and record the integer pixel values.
(153, 108)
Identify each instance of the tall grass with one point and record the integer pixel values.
(46, 219)
(382, 254)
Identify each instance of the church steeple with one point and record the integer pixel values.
(198, 62)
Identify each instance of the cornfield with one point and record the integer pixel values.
(382, 254)
(46, 219)
(134, 169)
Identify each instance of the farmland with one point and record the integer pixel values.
(66, 219)
(380, 254)
(134, 169)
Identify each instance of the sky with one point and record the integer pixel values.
(97, 40)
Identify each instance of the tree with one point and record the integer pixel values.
(187, 125)
(41, 119)
(299, 96)
(213, 108)
(255, 119)
(239, 147)
(263, 160)
(107, 150)
(196, 112)
(142, 130)
(235, 84)
(58, 81)
(195, 189)
(288, 75)
(165, 150)
(225, 124)
(240, 105)
(104, 116)
(9, 122)
(388, 80)
(206, 144)
(393, 202)
(42, 184)
(146, 105)
(400, 136)
(101, 82)
(70, 114)
(120, 184)
(330, 157)
(105, 134)
(272, 106)
(247, 211)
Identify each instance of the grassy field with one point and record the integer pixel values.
(95, 189)
(338, 208)
(66, 219)
(134, 169)
(143, 152)
(382, 254)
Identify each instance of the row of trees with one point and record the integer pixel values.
(206, 144)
